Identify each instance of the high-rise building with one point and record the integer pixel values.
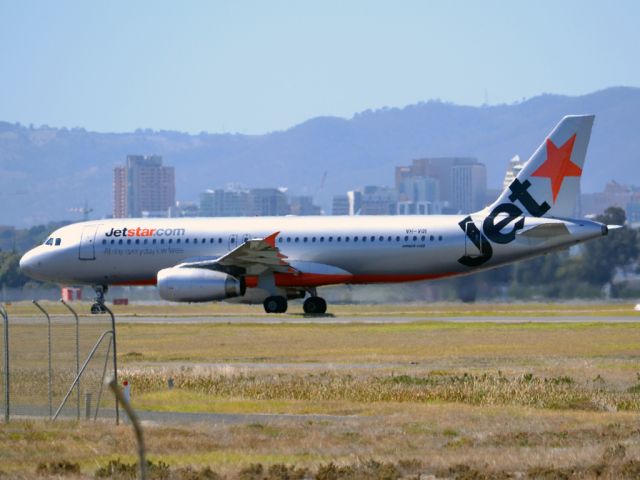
(514, 168)
(379, 201)
(143, 187)
(469, 187)
(419, 196)
(265, 202)
(228, 202)
(303, 205)
(453, 176)
(348, 204)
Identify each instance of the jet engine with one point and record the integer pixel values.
(198, 285)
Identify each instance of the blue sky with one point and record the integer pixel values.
(254, 67)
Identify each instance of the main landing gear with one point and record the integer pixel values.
(313, 305)
(98, 307)
(275, 304)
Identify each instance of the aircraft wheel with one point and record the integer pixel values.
(315, 305)
(275, 304)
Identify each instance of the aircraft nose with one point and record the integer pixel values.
(28, 263)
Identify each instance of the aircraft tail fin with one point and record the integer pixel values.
(549, 182)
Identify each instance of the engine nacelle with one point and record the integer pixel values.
(198, 285)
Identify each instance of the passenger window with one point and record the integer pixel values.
(120, 242)
(297, 239)
(137, 241)
(178, 240)
(364, 239)
(313, 239)
(415, 238)
(338, 239)
(288, 239)
(211, 240)
(112, 241)
(406, 238)
(162, 240)
(389, 238)
(440, 238)
(330, 239)
(322, 239)
(171, 240)
(373, 239)
(153, 241)
(423, 238)
(204, 240)
(346, 239)
(128, 241)
(186, 240)
(145, 241)
(280, 240)
(220, 240)
(431, 238)
(104, 241)
(397, 238)
(305, 239)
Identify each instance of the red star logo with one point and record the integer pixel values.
(558, 165)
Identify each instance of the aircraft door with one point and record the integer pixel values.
(87, 243)
(233, 241)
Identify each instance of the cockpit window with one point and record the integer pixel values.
(58, 241)
(49, 241)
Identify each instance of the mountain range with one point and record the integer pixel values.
(46, 172)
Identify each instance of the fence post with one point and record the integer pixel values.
(115, 358)
(73, 312)
(49, 355)
(7, 397)
(137, 428)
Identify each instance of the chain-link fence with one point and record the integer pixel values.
(57, 365)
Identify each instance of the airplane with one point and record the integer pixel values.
(276, 259)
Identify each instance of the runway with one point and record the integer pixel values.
(337, 320)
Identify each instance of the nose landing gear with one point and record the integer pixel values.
(98, 307)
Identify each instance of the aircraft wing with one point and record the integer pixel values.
(252, 257)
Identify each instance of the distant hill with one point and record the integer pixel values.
(46, 171)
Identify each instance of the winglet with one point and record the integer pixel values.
(271, 239)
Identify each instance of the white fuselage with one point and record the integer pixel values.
(329, 250)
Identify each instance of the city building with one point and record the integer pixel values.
(303, 205)
(143, 187)
(265, 202)
(615, 194)
(513, 169)
(347, 204)
(378, 201)
(229, 202)
(461, 183)
(418, 196)
(468, 187)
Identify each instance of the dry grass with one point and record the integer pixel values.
(440, 437)
(464, 400)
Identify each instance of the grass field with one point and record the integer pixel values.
(454, 400)
(218, 309)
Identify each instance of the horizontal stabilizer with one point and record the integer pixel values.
(545, 230)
